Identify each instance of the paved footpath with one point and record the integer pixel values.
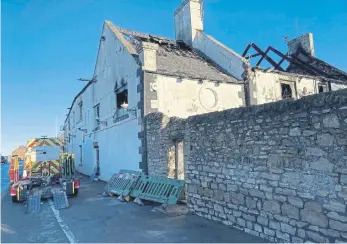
(93, 218)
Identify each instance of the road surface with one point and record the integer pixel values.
(94, 218)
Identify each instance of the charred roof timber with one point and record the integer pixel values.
(300, 62)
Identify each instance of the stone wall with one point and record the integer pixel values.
(163, 135)
(277, 170)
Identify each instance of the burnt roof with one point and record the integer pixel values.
(317, 66)
(178, 59)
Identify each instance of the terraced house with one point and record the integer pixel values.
(137, 74)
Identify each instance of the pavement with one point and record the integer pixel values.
(93, 218)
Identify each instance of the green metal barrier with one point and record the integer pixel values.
(122, 183)
(162, 190)
(67, 165)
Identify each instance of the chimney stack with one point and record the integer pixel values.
(188, 20)
(305, 41)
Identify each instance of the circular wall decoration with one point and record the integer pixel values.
(208, 98)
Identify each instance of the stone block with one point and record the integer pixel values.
(262, 220)
(336, 216)
(290, 211)
(269, 232)
(295, 131)
(283, 236)
(250, 203)
(331, 121)
(285, 191)
(288, 228)
(280, 198)
(232, 187)
(313, 206)
(258, 228)
(274, 225)
(337, 225)
(249, 225)
(314, 218)
(329, 232)
(237, 213)
(315, 151)
(271, 206)
(297, 240)
(231, 218)
(335, 206)
(256, 193)
(248, 217)
(314, 236)
(295, 201)
(343, 179)
(322, 164)
(301, 233)
(325, 140)
(218, 208)
(237, 198)
(270, 176)
(241, 222)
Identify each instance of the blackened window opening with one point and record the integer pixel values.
(286, 91)
(320, 89)
(122, 97)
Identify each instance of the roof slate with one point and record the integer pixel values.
(178, 59)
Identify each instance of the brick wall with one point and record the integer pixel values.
(277, 170)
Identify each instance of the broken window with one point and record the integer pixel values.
(80, 107)
(322, 88)
(121, 96)
(286, 90)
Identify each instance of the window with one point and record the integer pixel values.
(69, 123)
(80, 107)
(97, 115)
(80, 152)
(121, 96)
(73, 119)
(286, 91)
(322, 88)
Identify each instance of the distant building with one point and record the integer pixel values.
(20, 152)
(137, 74)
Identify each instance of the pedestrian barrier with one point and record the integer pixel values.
(122, 183)
(59, 199)
(33, 203)
(162, 190)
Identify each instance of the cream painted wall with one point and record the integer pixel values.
(118, 141)
(226, 58)
(186, 97)
(336, 86)
(265, 87)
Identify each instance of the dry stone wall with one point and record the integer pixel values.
(278, 171)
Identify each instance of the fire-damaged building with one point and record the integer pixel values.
(137, 74)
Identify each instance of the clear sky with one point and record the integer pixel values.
(47, 45)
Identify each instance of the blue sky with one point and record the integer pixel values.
(48, 45)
